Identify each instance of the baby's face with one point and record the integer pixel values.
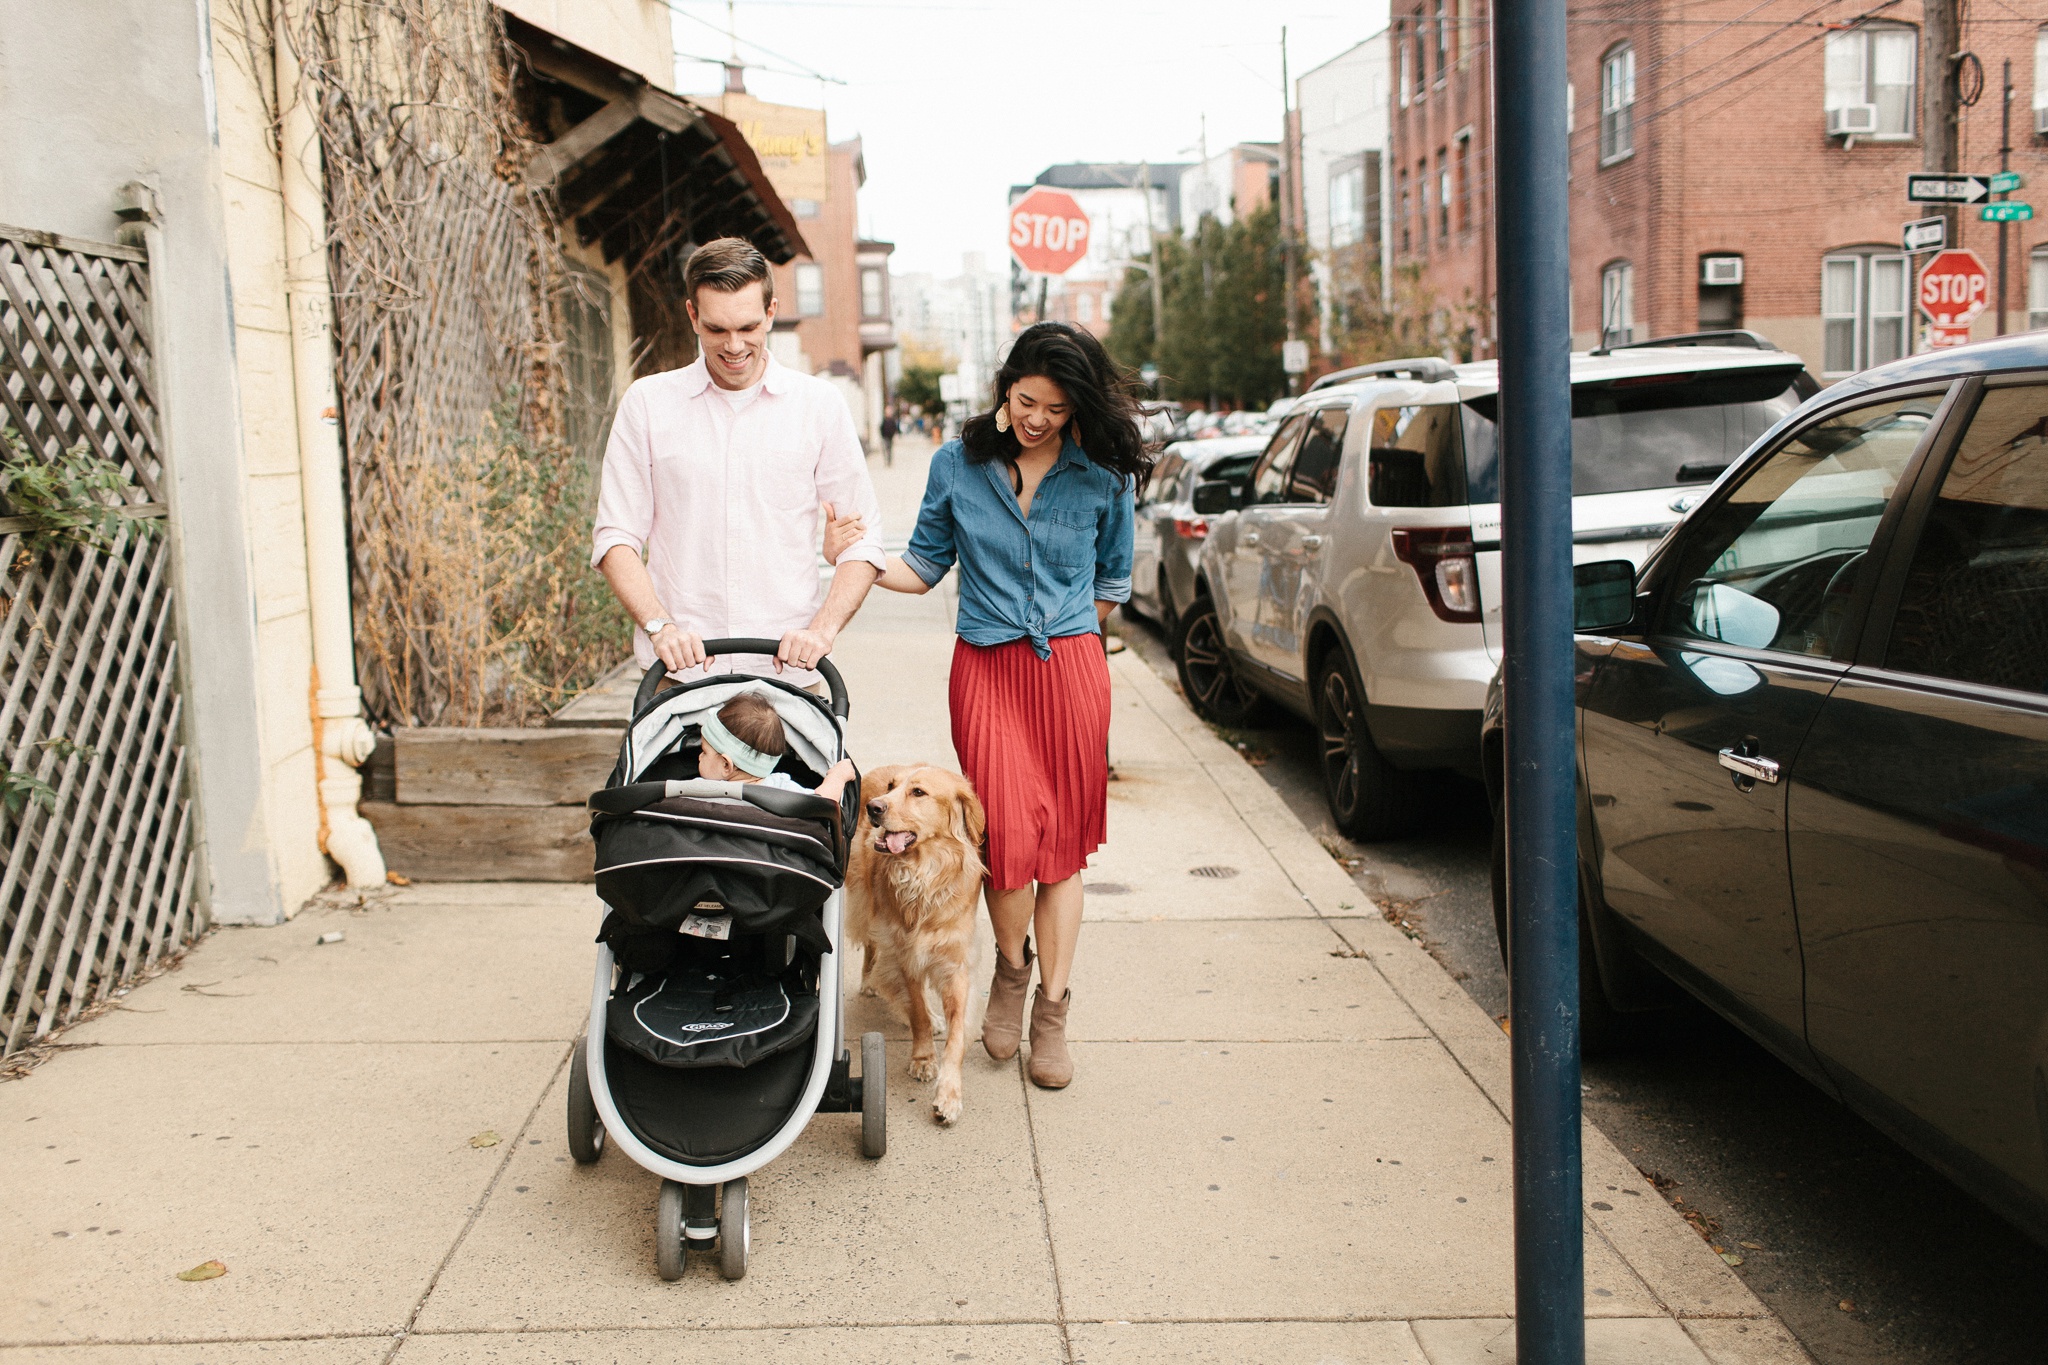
(717, 767)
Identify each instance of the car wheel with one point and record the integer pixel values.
(1369, 798)
(1600, 1024)
(1207, 676)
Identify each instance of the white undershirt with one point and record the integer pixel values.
(740, 398)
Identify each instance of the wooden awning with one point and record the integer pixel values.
(639, 171)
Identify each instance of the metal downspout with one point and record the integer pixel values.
(341, 739)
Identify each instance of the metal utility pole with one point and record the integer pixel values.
(1156, 268)
(1288, 170)
(2004, 164)
(1534, 271)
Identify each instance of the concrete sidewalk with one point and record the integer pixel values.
(1286, 1140)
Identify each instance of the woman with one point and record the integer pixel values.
(1033, 501)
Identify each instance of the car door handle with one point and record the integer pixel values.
(1311, 542)
(1750, 766)
(1250, 537)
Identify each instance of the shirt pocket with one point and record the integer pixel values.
(1065, 536)
(784, 478)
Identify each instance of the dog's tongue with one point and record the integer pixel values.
(897, 840)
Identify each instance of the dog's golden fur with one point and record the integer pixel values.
(912, 908)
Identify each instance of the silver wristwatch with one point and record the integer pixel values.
(656, 626)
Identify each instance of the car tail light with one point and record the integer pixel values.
(1191, 528)
(1443, 559)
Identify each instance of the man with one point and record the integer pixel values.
(889, 430)
(716, 473)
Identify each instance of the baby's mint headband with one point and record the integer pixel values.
(743, 755)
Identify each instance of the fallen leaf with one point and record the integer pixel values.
(1732, 1257)
(1752, 1246)
(397, 879)
(1846, 1306)
(206, 1270)
(486, 1138)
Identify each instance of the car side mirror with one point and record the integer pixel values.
(1603, 594)
(1216, 496)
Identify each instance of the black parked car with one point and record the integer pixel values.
(1813, 760)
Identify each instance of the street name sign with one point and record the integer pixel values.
(2005, 182)
(1048, 232)
(1294, 356)
(1924, 234)
(1947, 189)
(2007, 212)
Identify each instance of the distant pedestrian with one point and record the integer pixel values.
(889, 430)
(1034, 503)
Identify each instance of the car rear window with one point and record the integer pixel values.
(1648, 431)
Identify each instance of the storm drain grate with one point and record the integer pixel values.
(1106, 888)
(1214, 871)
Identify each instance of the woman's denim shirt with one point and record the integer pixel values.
(1036, 577)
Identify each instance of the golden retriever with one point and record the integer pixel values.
(913, 885)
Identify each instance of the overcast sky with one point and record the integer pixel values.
(958, 100)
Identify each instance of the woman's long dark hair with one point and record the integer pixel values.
(1103, 417)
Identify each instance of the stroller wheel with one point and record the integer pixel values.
(874, 1095)
(735, 1234)
(586, 1129)
(668, 1231)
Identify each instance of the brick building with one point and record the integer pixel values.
(1707, 188)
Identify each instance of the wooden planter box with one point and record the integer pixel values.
(499, 805)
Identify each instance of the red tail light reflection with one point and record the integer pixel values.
(1191, 528)
(1442, 558)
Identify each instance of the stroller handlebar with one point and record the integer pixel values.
(651, 683)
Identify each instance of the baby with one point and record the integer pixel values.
(745, 741)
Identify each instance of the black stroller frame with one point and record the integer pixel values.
(703, 1128)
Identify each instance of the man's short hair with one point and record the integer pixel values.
(751, 718)
(728, 264)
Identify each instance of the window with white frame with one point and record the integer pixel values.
(2037, 289)
(1407, 75)
(1419, 39)
(2040, 79)
(874, 293)
(1443, 194)
(1443, 41)
(1617, 304)
(1863, 308)
(810, 290)
(1347, 202)
(1084, 308)
(1874, 65)
(1617, 104)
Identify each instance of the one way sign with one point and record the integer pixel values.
(1947, 189)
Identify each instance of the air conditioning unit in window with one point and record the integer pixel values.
(1720, 270)
(2041, 121)
(1852, 120)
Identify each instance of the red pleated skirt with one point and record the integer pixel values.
(1033, 738)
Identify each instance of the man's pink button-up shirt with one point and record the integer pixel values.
(726, 505)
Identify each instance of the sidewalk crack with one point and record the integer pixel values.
(483, 1202)
(1059, 1292)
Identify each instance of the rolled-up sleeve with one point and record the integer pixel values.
(625, 497)
(1114, 533)
(843, 481)
(933, 547)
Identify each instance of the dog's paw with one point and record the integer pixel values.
(869, 991)
(923, 1068)
(946, 1105)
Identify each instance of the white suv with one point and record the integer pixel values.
(1356, 577)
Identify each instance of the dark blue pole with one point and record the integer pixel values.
(1534, 259)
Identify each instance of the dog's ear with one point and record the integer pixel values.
(970, 819)
(876, 781)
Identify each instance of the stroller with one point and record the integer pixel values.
(715, 1024)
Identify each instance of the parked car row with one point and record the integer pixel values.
(1812, 680)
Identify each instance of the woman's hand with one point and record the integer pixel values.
(841, 533)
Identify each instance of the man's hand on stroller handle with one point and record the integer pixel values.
(680, 649)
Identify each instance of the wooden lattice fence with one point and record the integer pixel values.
(100, 872)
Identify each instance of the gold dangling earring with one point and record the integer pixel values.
(1002, 417)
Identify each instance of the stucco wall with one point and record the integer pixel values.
(633, 33)
(93, 94)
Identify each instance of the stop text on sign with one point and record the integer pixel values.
(1049, 232)
(1954, 288)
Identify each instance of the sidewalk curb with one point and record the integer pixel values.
(1673, 1262)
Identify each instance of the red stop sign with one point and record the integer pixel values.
(1954, 288)
(1048, 232)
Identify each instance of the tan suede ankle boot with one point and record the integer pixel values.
(1002, 1025)
(1052, 1066)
